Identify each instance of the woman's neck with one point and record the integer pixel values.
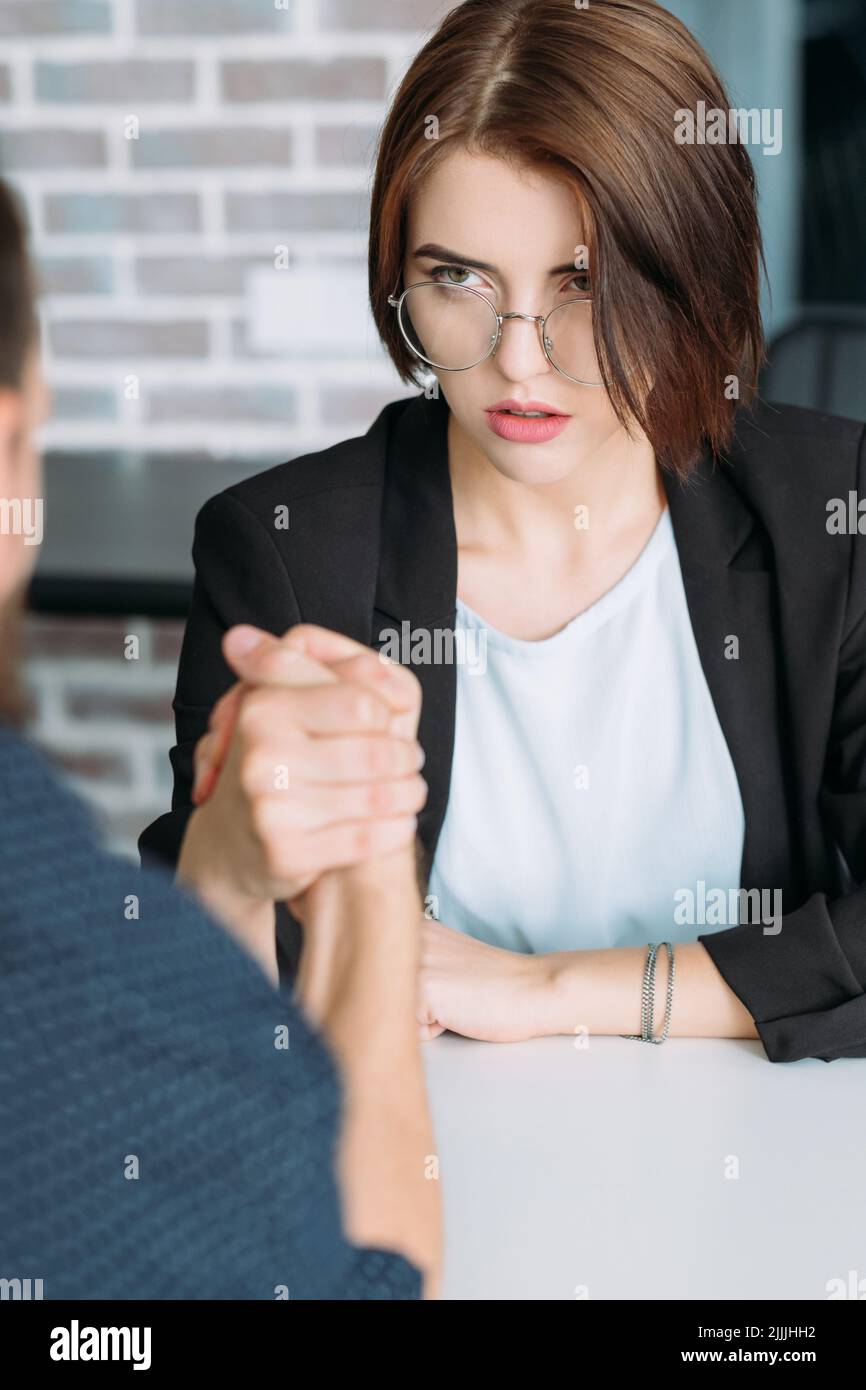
(614, 492)
(531, 556)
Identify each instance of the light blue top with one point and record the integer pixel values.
(593, 799)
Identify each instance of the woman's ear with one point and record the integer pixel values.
(21, 501)
(13, 424)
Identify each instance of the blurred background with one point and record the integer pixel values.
(195, 175)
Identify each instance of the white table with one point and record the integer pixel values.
(605, 1169)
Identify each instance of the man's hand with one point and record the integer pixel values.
(310, 764)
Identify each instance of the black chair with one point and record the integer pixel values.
(820, 361)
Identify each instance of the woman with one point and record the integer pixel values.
(169, 1123)
(671, 705)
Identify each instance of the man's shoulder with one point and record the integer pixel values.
(30, 788)
(71, 907)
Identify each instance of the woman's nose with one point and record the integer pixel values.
(520, 353)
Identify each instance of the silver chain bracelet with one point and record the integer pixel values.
(647, 997)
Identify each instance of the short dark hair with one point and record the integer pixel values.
(592, 94)
(19, 331)
(18, 321)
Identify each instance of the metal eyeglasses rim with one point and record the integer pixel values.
(396, 302)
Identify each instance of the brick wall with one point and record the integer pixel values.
(106, 720)
(165, 151)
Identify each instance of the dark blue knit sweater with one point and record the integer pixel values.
(155, 1141)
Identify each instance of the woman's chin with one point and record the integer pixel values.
(532, 463)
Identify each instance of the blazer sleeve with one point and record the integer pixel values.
(240, 577)
(806, 986)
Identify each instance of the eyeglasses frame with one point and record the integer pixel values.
(396, 302)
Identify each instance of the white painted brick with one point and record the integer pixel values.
(308, 37)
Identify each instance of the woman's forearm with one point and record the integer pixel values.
(601, 992)
(358, 983)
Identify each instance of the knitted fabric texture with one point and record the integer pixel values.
(158, 1139)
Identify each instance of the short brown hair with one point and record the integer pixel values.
(672, 229)
(18, 322)
(18, 334)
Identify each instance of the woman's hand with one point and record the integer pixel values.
(478, 990)
(308, 766)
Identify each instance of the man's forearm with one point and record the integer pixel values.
(358, 983)
(250, 920)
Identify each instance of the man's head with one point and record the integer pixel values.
(23, 407)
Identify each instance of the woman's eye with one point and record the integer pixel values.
(579, 283)
(451, 274)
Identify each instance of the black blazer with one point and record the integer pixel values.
(371, 543)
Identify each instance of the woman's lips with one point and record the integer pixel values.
(520, 430)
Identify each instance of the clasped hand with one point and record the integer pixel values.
(310, 764)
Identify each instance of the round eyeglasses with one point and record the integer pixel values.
(454, 328)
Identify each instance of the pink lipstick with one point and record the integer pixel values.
(525, 422)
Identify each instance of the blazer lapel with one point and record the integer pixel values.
(726, 564)
(416, 588)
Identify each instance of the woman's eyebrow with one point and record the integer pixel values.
(432, 251)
